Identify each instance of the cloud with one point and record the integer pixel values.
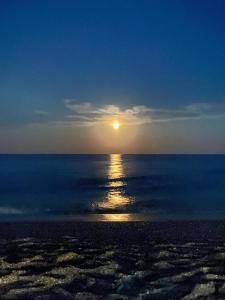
(88, 114)
(40, 112)
(199, 107)
(90, 109)
(10, 211)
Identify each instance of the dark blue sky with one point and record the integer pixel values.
(163, 55)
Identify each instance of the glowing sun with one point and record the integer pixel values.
(116, 125)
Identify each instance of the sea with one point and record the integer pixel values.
(112, 187)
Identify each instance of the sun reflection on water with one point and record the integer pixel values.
(117, 217)
(115, 197)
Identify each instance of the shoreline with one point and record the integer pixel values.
(135, 231)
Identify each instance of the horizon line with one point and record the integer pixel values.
(50, 153)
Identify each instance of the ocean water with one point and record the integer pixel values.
(112, 187)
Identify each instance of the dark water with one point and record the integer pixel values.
(119, 187)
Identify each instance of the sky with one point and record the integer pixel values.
(69, 69)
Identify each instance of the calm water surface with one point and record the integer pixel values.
(112, 187)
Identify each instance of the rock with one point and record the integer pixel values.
(164, 254)
(117, 297)
(62, 294)
(91, 282)
(164, 292)
(219, 256)
(183, 276)
(141, 264)
(126, 283)
(107, 255)
(201, 290)
(141, 275)
(85, 296)
(222, 289)
(214, 277)
(66, 257)
(163, 265)
(108, 270)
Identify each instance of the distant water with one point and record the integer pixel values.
(113, 187)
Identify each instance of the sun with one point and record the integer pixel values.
(116, 125)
